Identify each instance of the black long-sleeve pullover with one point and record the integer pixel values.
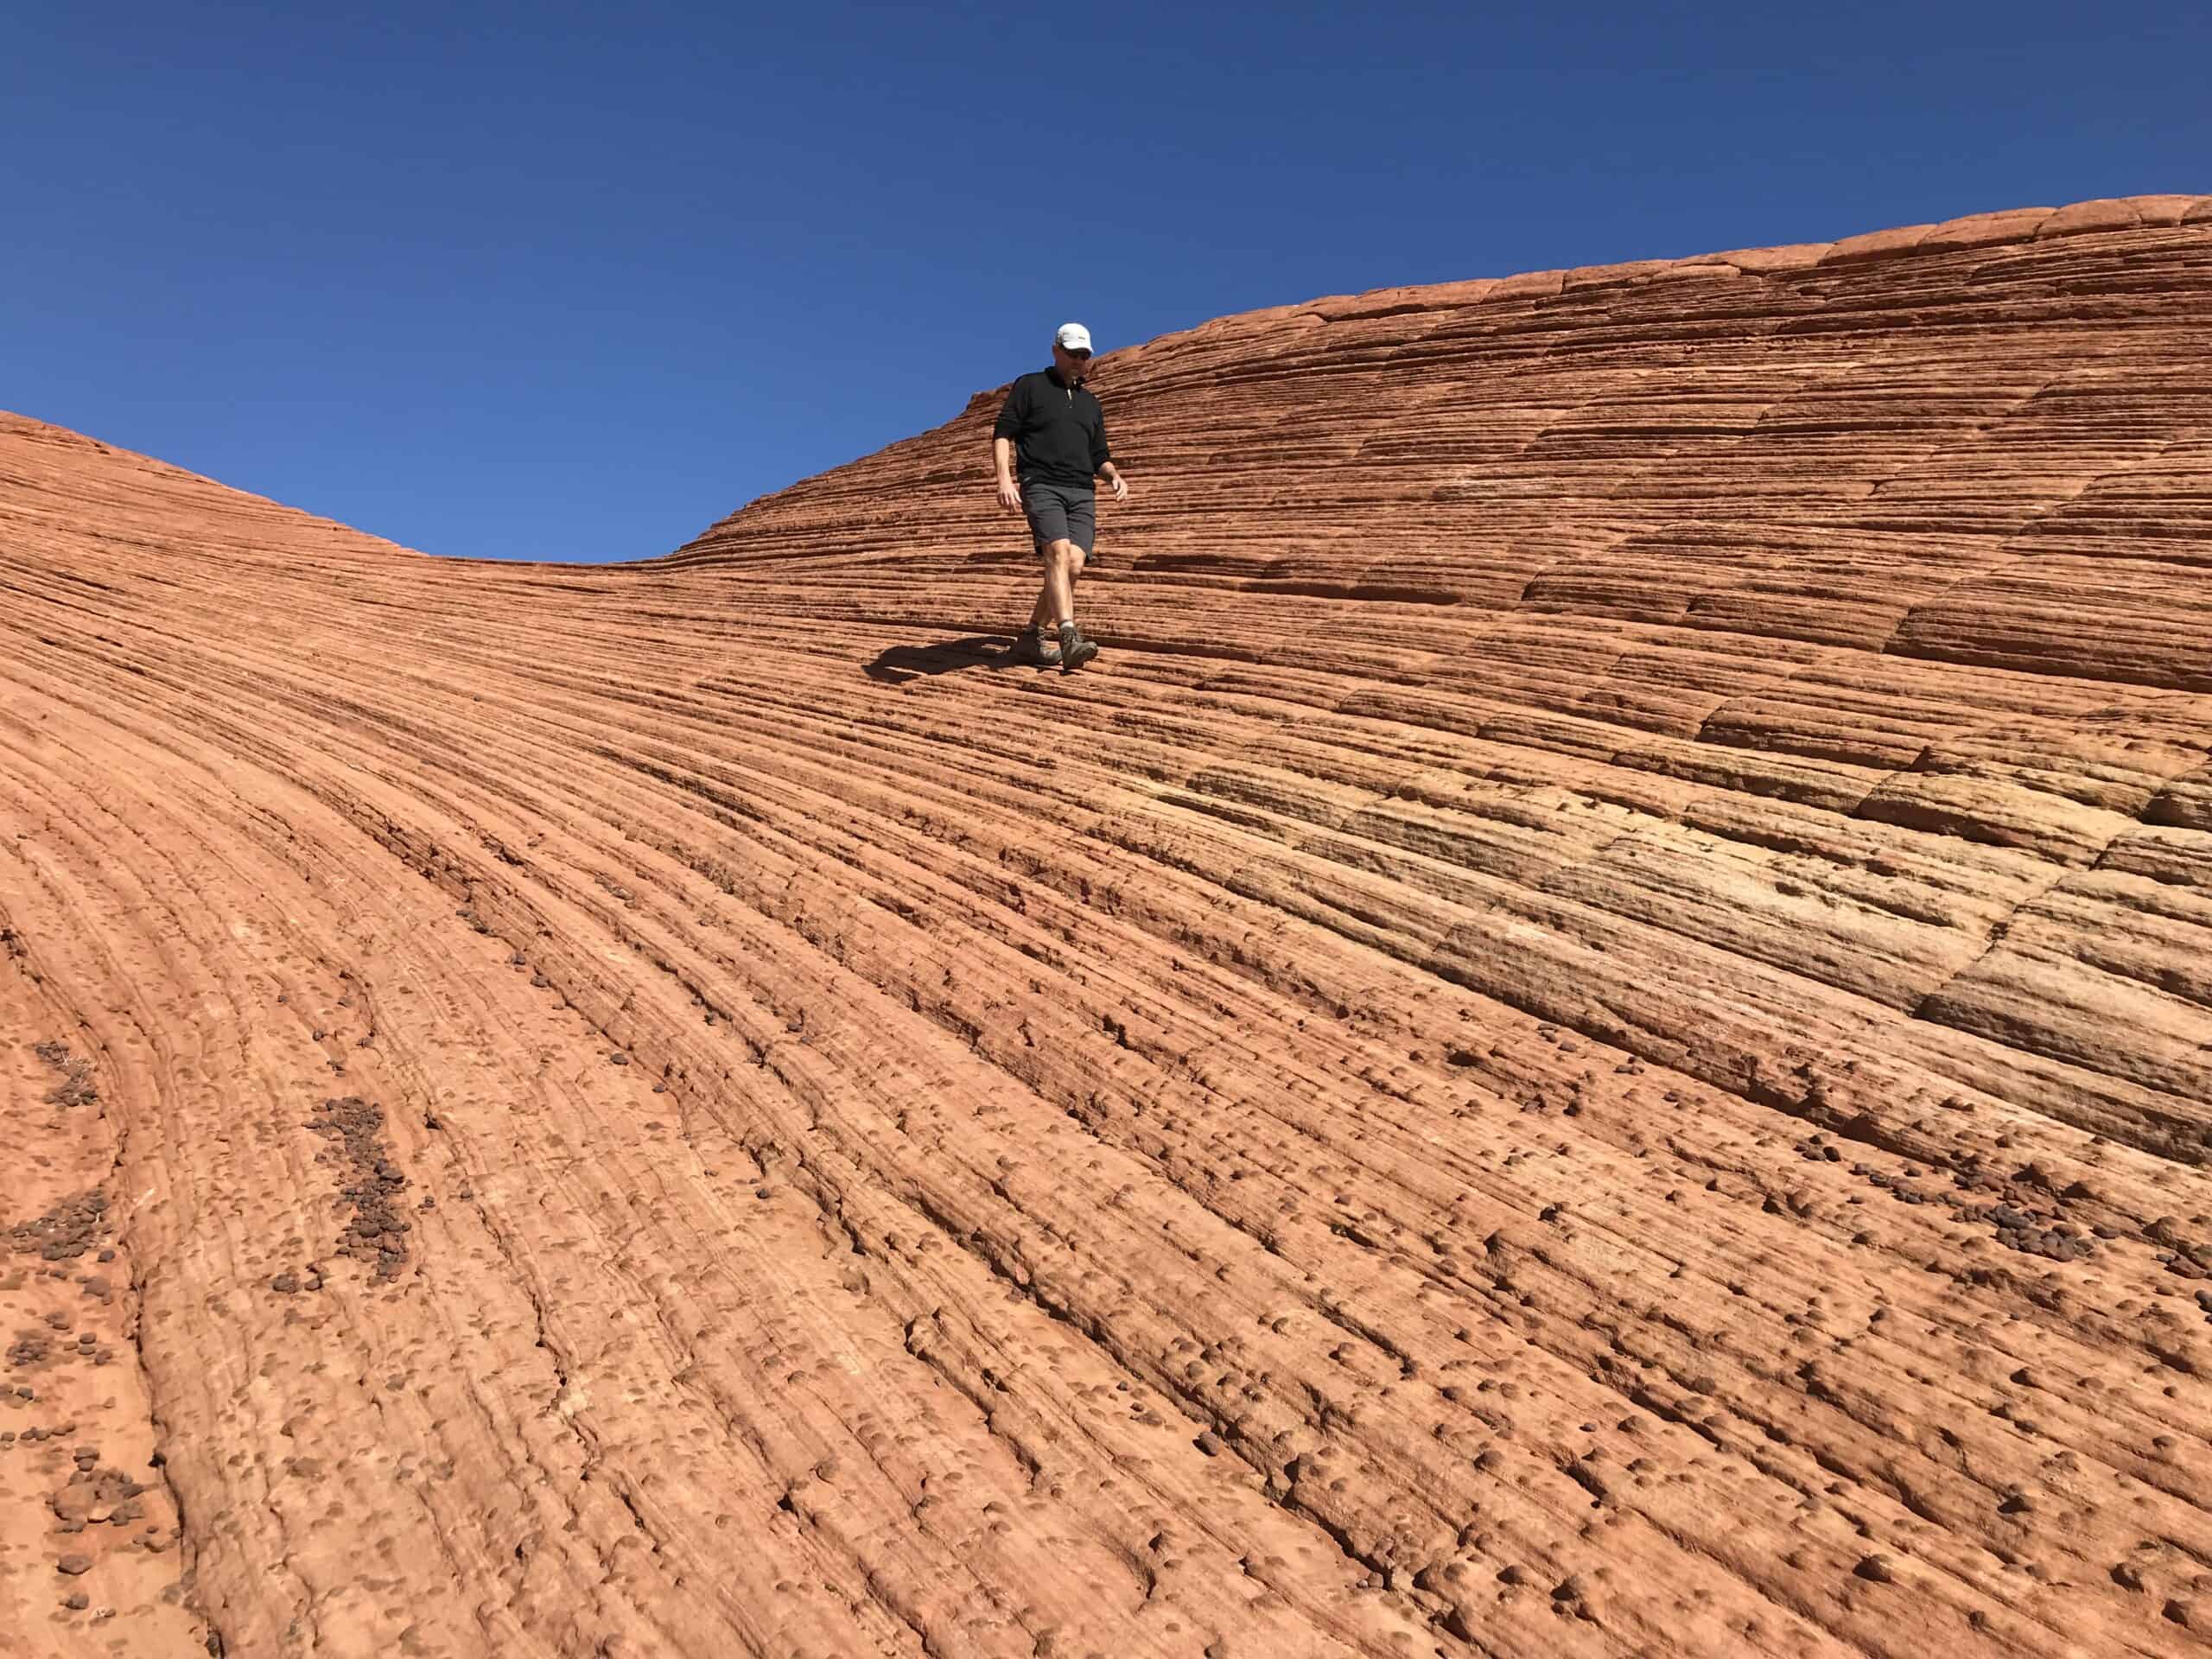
(1058, 430)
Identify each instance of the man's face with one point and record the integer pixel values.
(1073, 365)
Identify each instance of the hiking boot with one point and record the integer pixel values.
(1075, 649)
(1031, 648)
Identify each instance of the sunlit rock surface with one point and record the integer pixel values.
(1589, 1036)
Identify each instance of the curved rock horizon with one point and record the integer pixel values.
(1591, 1035)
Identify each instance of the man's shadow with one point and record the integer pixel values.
(897, 665)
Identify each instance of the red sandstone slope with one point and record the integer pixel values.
(1589, 1037)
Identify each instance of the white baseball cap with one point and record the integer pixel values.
(1072, 337)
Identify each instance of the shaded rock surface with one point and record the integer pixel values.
(1590, 1036)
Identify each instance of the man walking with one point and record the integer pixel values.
(1058, 432)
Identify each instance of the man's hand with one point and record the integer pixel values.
(1120, 488)
(1010, 497)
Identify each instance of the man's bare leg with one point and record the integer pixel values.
(1041, 617)
(1064, 561)
(1056, 604)
(1042, 638)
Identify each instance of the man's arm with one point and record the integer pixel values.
(1008, 427)
(1101, 460)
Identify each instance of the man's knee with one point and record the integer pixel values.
(1064, 552)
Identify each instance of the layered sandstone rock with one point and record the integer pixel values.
(1590, 1036)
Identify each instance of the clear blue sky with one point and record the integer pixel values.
(570, 282)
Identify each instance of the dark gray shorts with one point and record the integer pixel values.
(1060, 512)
